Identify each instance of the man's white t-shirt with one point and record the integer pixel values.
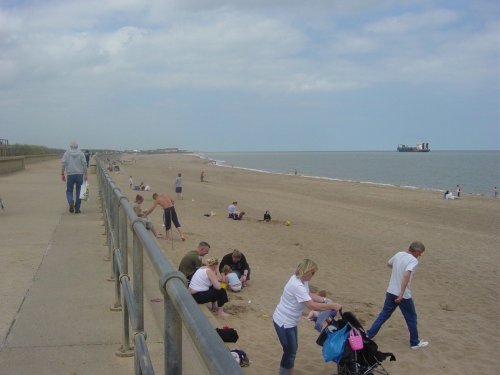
(401, 262)
(289, 310)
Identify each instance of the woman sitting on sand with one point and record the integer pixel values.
(205, 287)
(139, 199)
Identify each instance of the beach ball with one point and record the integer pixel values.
(288, 223)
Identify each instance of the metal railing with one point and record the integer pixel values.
(179, 306)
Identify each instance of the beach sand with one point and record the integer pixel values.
(350, 230)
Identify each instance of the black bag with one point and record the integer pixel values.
(227, 334)
(267, 216)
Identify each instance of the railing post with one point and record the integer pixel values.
(172, 335)
(118, 299)
(122, 234)
(125, 349)
(137, 261)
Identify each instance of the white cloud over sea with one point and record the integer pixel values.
(250, 75)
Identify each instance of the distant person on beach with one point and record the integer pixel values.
(295, 172)
(233, 213)
(130, 182)
(287, 315)
(398, 294)
(139, 199)
(267, 216)
(193, 259)
(239, 265)
(202, 176)
(169, 215)
(495, 192)
(205, 287)
(75, 166)
(458, 190)
(449, 195)
(178, 186)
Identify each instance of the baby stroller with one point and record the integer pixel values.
(366, 361)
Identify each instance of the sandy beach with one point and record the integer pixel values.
(350, 230)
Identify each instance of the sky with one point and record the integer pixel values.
(251, 75)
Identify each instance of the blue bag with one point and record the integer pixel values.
(333, 348)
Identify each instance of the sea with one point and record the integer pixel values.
(477, 172)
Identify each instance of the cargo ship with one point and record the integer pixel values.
(420, 147)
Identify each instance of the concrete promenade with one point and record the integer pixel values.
(55, 301)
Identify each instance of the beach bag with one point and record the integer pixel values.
(227, 334)
(84, 191)
(355, 339)
(333, 348)
(267, 216)
(241, 357)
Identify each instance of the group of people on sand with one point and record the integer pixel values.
(141, 186)
(166, 202)
(449, 195)
(209, 280)
(296, 296)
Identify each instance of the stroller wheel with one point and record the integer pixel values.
(352, 368)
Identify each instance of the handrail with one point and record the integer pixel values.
(180, 308)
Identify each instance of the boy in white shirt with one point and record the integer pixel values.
(403, 266)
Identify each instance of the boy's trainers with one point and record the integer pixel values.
(421, 344)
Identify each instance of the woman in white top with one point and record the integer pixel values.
(205, 287)
(295, 296)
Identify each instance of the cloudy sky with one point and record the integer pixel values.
(251, 75)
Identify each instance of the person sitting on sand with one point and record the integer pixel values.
(239, 265)
(449, 195)
(193, 260)
(233, 213)
(230, 278)
(205, 287)
(139, 199)
(169, 215)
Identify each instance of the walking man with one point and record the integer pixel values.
(403, 266)
(75, 166)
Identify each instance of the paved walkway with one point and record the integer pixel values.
(55, 301)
